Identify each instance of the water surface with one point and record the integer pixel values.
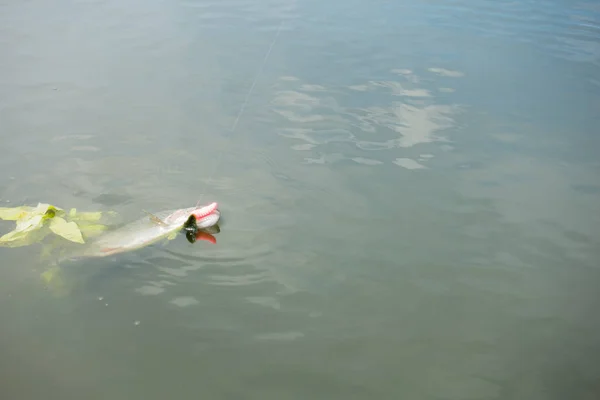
(410, 194)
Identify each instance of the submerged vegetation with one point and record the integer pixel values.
(33, 224)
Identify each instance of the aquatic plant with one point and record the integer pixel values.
(33, 224)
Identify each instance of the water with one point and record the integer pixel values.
(410, 194)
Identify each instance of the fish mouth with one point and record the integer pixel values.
(208, 220)
(206, 216)
(205, 211)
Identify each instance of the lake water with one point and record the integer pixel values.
(410, 195)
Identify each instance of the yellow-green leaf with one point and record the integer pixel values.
(14, 213)
(40, 209)
(50, 213)
(68, 230)
(13, 236)
(91, 230)
(28, 219)
(29, 223)
(20, 238)
(87, 216)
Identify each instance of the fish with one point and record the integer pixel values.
(151, 229)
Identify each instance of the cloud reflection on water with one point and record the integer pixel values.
(399, 114)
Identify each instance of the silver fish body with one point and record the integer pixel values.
(144, 232)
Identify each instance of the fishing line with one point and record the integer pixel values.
(244, 104)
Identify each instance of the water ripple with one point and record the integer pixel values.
(569, 30)
(403, 114)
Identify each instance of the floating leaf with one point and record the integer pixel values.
(89, 216)
(45, 210)
(68, 230)
(20, 238)
(84, 216)
(51, 211)
(91, 230)
(25, 224)
(14, 213)
(24, 212)
(30, 220)
(29, 223)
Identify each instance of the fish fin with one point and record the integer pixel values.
(155, 219)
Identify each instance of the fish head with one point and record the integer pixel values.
(206, 216)
(202, 223)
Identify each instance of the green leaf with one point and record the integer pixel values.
(68, 230)
(29, 223)
(14, 213)
(50, 213)
(91, 230)
(23, 228)
(24, 212)
(85, 216)
(30, 220)
(18, 239)
(45, 210)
